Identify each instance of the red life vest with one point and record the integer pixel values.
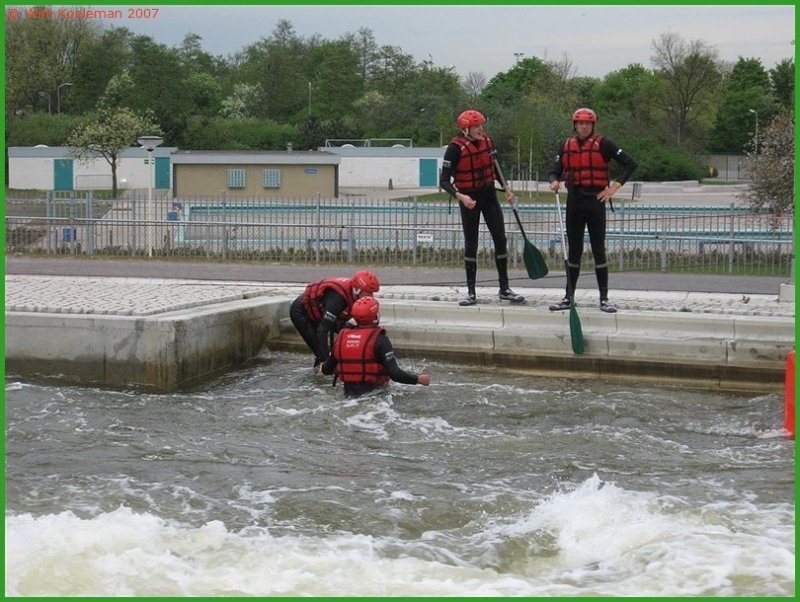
(584, 165)
(474, 169)
(312, 298)
(354, 350)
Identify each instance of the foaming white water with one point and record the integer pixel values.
(126, 554)
(597, 539)
(662, 546)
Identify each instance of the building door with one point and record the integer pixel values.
(428, 172)
(62, 174)
(162, 172)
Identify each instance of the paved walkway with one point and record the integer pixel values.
(148, 296)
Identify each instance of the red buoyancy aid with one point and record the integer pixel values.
(354, 350)
(474, 169)
(312, 298)
(584, 165)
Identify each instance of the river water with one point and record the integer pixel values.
(268, 482)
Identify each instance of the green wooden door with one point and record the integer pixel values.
(162, 172)
(62, 174)
(428, 172)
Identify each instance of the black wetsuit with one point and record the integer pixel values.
(318, 334)
(384, 354)
(486, 204)
(584, 211)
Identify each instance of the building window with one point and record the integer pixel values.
(272, 178)
(236, 178)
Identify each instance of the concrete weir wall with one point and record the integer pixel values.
(163, 352)
(708, 350)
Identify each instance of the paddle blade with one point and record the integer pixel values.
(575, 330)
(534, 261)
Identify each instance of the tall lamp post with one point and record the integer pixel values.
(150, 143)
(755, 138)
(58, 95)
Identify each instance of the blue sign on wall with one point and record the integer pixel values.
(310, 170)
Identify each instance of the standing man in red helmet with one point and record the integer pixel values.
(363, 356)
(325, 306)
(468, 174)
(582, 164)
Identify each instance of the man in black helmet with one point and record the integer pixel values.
(582, 164)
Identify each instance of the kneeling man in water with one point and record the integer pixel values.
(363, 357)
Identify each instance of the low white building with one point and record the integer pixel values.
(53, 168)
(375, 167)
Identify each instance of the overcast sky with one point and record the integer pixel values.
(597, 39)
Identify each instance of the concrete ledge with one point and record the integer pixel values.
(704, 350)
(162, 352)
(175, 349)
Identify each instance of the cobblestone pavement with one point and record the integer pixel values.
(149, 296)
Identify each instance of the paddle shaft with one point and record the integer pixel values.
(570, 292)
(504, 184)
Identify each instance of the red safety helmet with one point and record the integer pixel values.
(366, 281)
(470, 118)
(366, 311)
(584, 114)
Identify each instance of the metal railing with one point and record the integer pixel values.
(358, 230)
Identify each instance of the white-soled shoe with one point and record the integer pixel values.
(561, 305)
(470, 299)
(607, 307)
(509, 295)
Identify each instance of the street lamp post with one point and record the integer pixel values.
(150, 143)
(58, 95)
(518, 56)
(309, 100)
(755, 137)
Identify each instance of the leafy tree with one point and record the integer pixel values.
(40, 55)
(205, 93)
(364, 46)
(689, 75)
(336, 83)
(107, 133)
(275, 66)
(772, 168)
(626, 93)
(101, 58)
(748, 73)
(426, 107)
(195, 59)
(241, 103)
(528, 76)
(160, 81)
(580, 90)
(747, 89)
(119, 91)
(393, 68)
(782, 78)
